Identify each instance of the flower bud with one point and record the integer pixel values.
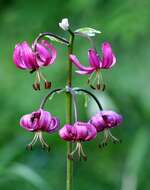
(64, 24)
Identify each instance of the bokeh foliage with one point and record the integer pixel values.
(126, 25)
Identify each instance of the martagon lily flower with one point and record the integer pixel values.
(104, 121)
(26, 58)
(79, 132)
(96, 65)
(38, 122)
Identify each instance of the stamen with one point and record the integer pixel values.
(108, 136)
(90, 78)
(80, 151)
(34, 140)
(44, 144)
(38, 135)
(47, 84)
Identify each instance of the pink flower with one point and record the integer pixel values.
(79, 132)
(96, 63)
(38, 122)
(105, 120)
(25, 58)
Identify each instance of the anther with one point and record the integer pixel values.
(92, 87)
(36, 86)
(70, 156)
(29, 147)
(98, 86)
(47, 84)
(32, 71)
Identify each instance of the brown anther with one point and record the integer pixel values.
(102, 145)
(98, 87)
(104, 87)
(29, 148)
(92, 87)
(36, 86)
(48, 84)
(70, 157)
(117, 141)
(85, 158)
(32, 71)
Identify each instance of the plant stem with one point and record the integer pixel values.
(69, 182)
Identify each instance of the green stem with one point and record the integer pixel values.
(69, 181)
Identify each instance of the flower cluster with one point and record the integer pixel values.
(81, 131)
(26, 58)
(38, 122)
(42, 54)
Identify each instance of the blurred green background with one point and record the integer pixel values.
(126, 24)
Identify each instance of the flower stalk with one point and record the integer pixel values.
(69, 180)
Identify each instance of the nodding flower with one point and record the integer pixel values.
(96, 65)
(79, 132)
(26, 58)
(38, 122)
(104, 121)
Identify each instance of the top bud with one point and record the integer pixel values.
(64, 24)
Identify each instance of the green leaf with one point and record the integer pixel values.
(88, 31)
(54, 39)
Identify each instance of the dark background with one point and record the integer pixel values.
(126, 24)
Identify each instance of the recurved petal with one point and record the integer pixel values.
(85, 72)
(26, 123)
(109, 58)
(67, 132)
(53, 125)
(46, 53)
(82, 131)
(98, 122)
(23, 56)
(44, 119)
(94, 59)
(92, 132)
(111, 118)
(76, 62)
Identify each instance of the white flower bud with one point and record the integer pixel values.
(64, 24)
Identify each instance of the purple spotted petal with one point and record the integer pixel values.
(45, 53)
(53, 125)
(111, 118)
(106, 119)
(44, 119)
(92, 132)
(109, 58)
(27, 123)
(98, 122)
(94, 59)
(68, 132)
(76, 62)
(82, 131)
(23, 57)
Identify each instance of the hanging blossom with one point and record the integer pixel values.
(79, 132)
(26, 58)
(96, 64)
(104, 121)
(38, 122)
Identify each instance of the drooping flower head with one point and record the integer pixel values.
(96, 64)
(26, 58)
(38, 122)
(105, 120)
(79, 132)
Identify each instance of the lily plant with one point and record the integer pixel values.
(43, 54)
